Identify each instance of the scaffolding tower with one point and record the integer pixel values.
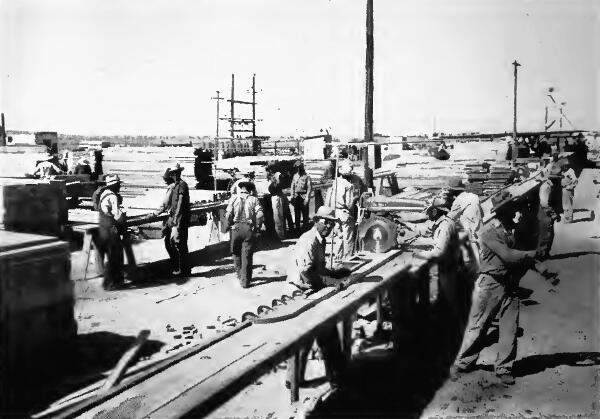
(240, 125)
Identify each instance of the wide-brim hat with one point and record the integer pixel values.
(502, 200)
(175, 168)
(298, 163)
(326, 213)
(167, 173)
(437, 203)
(246, 185)
(456, 183)
(112, 180)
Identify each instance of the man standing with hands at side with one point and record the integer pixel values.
(301, 191)
(245, 217)
(175, 230)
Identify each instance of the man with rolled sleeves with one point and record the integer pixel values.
(546, 214)
(568, 183)
(301, 190)
(495, 292)
(245, 216)
(307, 271)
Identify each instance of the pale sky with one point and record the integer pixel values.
(151, 66)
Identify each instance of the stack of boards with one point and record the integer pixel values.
(33, 206)
(36, 309)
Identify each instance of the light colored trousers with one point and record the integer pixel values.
(344, 238)
(491, 299)
(567, 203)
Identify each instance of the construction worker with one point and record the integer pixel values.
(307, 271)
(495, 292)
(245, 217)
(111, 225)
(300, 198)
(343, 197)
(546, 214)
(247, 176)
(445, 250)
(47, 168)
(465, 209)
(164, 206)
(278, 204)
(568, 183)
(178, 222)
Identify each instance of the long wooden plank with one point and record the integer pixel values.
(236, 361)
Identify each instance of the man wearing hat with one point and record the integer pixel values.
(301, 191)
(245, 216)
(445, 249)
(465, 209)
(568, 183)
(247, 176)
(495, 292)
(307, 271)
(47, 168)
(343, 196)
(175, 230)
(111, 225)
(546, 214)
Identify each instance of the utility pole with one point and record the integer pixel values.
(515, 64)
(2, 131)
(232, 116)
(254, 105)
(369, 74)
(218, 98)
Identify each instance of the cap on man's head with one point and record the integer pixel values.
(112, 180)
(298, 163)
(326, 213)
(167, 173)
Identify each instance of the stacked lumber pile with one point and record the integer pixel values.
(33, 206)
(484, 183)
(36, 310)
(141, 168)
(319, 170)
(499, 174)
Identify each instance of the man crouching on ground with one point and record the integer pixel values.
(308, 272)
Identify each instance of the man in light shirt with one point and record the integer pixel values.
(308, 272)
(245, 216)
(343, 196)
(568, 183)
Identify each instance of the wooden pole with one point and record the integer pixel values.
(369, 74)
(232, 116)
(2, 131)
(515, 64)
(254, 105)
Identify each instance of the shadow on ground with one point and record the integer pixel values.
(83, 361)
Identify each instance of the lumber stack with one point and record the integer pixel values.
(36, 308)
(31, 206)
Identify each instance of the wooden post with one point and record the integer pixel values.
(515, 64)
(2, 131)
(294, 365)
(232, 116)
(369, 74)
(254, 105)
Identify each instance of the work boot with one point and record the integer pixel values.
(456, 371)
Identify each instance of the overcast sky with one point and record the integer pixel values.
(151, 66)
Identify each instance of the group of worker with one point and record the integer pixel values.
(113, 235)
(54, 164)
(501, 259)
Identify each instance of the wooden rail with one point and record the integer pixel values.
(198, 384)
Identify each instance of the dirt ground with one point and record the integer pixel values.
(558, 354)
